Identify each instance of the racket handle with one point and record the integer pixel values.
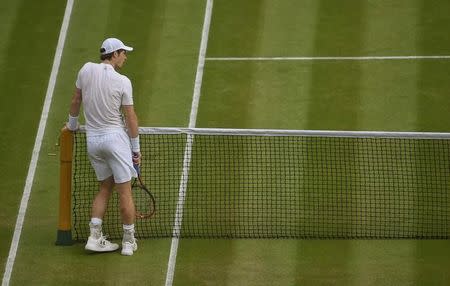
(137, 168)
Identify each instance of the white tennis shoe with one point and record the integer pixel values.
(129, 246)
(100, 244)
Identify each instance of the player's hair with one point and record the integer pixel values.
(108, 56)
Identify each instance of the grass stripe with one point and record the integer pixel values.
(37, 146)
(189, 143)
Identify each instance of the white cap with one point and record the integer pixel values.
(112, 44)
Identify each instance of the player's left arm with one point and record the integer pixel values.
(132, 125)
(131, 120)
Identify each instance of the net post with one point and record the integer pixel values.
(64, 234)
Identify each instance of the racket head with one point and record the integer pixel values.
(144, 201)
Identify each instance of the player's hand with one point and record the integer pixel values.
(66, 126)
(137, 158)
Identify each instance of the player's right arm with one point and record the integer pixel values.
(77, 97)
(74, 111)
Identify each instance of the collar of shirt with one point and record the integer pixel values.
(107, 66)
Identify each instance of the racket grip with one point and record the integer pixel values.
(136, 166)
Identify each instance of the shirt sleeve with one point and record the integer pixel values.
(81, 75)
(127, 97)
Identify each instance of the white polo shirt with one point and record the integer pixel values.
(104, 91)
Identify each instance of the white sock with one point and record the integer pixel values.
(128, 232)
(95, 221)
(96, 227)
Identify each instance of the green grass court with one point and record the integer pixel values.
(407, 94)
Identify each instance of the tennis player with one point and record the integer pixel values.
(113, 143)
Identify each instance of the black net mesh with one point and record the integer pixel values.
(251, 186)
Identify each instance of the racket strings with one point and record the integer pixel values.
(143, 201)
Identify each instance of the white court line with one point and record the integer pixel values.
(369, 58)
(189, 144)
(37, 146)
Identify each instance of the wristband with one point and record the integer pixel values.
(73, 123)
(135, 144)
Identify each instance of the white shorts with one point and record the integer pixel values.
(110, 155)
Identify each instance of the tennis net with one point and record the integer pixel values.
(223, 183)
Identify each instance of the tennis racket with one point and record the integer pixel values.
(144, 200)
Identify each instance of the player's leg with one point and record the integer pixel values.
(128, 213)
(97, 241)
(121, 164)
(101, 200)
(127, 210)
